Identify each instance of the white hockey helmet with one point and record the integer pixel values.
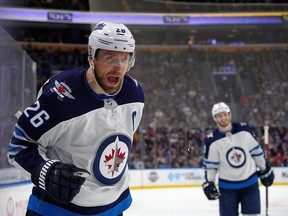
(111, 36)
(219, 108)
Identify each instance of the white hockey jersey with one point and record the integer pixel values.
(235, 156)
(71, 123)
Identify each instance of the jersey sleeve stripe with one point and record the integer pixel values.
(255, 148)
(211, 162)
(257, 155)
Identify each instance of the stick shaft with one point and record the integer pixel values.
(266, 147)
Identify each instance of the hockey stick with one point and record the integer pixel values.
(266, 144)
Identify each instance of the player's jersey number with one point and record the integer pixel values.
(39, 118)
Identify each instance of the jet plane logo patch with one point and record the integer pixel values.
(62, 90)
(236, 157)
(111, 159)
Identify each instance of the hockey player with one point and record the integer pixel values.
(233, 152)
(74, 141)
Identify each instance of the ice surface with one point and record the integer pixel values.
(192, 202)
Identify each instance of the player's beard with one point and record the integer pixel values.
(224, 125)
(110, 90)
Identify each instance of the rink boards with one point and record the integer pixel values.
(14, 196)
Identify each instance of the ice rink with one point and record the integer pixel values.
(192, 202)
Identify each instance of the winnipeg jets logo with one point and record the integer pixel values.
(236, 157)
(111, 159)
(115, 159)
(99, 26)
(62, 90)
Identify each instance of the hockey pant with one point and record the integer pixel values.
(248, 198)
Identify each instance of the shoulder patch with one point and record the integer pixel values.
(62, 90)
(210, 135)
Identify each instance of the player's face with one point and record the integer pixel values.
(110, 68)
(223, 119)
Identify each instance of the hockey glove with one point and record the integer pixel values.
(61, 181)
(266, 176)
(210, 190)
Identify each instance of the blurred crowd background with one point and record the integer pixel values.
(183, 70)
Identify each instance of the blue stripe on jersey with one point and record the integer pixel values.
(238, 185)
(19, 133)
(210, 162)
(255, 148)
(47, 209)
(257, 155)
(14, 148)
(133, 120)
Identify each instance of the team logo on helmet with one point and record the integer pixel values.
(236, 157)
(99, 26)
(111, 159)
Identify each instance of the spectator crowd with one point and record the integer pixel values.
(181, 83)
(178, 103)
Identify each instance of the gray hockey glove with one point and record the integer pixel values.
(266, 176)
(211, 191)
(61, 181)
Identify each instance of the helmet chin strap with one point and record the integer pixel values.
(99, 88)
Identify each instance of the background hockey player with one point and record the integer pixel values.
(74, 141)
(233, 152)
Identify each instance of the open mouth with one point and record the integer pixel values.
(113, 80)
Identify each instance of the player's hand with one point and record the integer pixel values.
(211, 191)
(266, 176)
(62, 181)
